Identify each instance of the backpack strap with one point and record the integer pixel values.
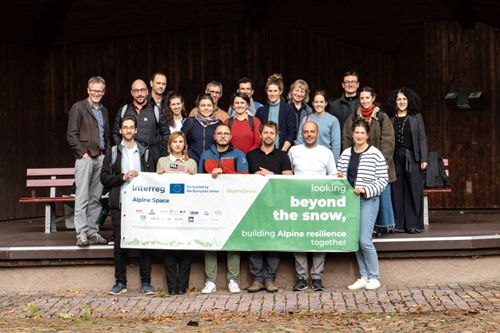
(124, 109)
(250, 121)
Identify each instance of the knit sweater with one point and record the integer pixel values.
(372, 170)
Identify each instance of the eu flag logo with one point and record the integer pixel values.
(176, 188)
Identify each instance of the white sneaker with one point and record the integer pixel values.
(209, 288)
(233, 287)
(372, 284)
(360, 283)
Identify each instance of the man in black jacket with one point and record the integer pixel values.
(152, 128)
(123, 162)
(348, 103)
(88, 136)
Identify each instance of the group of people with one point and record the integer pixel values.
(382, 157)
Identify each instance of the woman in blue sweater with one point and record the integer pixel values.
(365, 168)
(328, 125)
(280, 112)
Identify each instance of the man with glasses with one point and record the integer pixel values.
(152, 128)
(214, 89)
(124, 162)
(222, 158)
(88, 136)
(348, 103)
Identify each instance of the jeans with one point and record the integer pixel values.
(88, 194)
(385, 217)
(367, 254)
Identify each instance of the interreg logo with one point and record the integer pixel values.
(177, 188)
(140, 188)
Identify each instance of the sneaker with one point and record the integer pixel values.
(147, 289)
(372, 284)
(118, 288)
(209, 288)
(317, 285)
(81, 240)
(97, 239)
(233, 287)
(255, 287)
(300, 285)
(360, 283)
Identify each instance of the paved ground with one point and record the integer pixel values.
(452, 297)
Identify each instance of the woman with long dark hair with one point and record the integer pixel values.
(365, 168)
(410, 160)
(176, 111)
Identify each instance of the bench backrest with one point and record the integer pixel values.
(50, 177)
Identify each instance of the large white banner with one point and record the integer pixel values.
(239, 212)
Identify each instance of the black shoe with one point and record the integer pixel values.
(300, 285)
(181, 291)
(317, 285)
(172, 292)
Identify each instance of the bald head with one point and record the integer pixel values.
(310, 133)
(139, 91)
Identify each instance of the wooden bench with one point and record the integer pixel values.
(52, 178)
(429, 190)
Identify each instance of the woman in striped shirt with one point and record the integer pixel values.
(365, 168)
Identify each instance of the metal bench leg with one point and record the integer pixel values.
(426, 210)
(50, 218)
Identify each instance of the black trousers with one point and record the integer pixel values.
(120, 255)
(177, 277)
(408, 191)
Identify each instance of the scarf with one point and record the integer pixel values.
(367, 113)
(205, 122)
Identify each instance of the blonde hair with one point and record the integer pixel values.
(302, 84)
(174, 136)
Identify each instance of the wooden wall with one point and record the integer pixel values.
(446, 59)
(38, 92)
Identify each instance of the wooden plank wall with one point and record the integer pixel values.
(442, 57)
(464, 60)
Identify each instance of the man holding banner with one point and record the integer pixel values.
(266, 160)
(122, 163)
(222, 158)
(310, 159)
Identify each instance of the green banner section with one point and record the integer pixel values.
(300, 215)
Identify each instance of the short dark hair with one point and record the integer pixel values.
(244, 80)
(361, 122)
(269, 123)
(127, 117)
(350, 73)
(158, 73)
(241, 95)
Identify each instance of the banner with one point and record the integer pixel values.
(239, 213)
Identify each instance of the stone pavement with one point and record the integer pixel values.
(414, 300)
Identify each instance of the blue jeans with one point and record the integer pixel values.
(367, 254)
(385, 217)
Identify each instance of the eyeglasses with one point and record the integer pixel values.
(213, 92)
(128, 128)
(96, 92)
(143, 90)
(350, 82)
(223, 134)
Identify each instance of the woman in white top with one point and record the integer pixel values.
(177, 161)
(365, 168)
(176, 111)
